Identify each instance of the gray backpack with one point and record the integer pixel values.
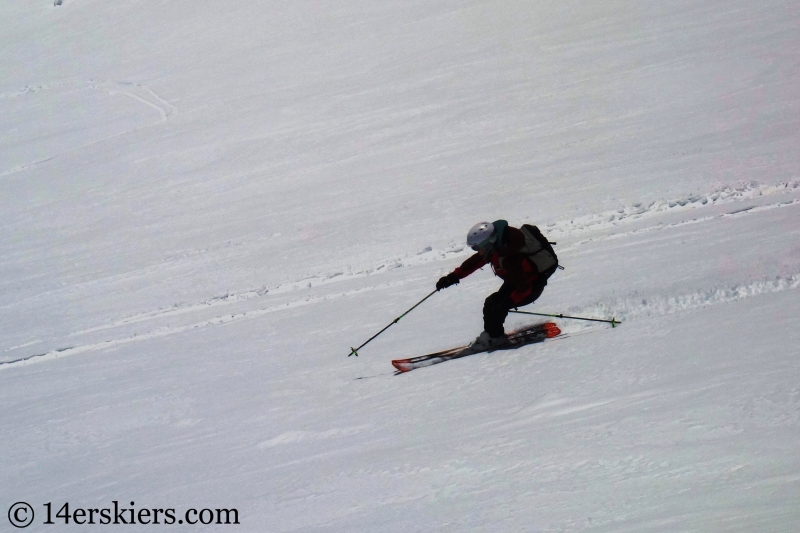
(539, 251)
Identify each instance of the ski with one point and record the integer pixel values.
(521, 337)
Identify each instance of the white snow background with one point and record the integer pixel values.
(204, 205)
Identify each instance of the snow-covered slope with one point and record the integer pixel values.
(204, 206)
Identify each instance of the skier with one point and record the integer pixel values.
(523, 258)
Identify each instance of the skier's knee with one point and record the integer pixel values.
(494, 302)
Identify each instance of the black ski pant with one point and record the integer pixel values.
(498, 304)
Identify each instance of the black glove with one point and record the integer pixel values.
(447, 281)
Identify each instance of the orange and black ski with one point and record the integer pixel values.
(521, 337)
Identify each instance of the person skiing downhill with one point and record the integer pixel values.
(522, 258)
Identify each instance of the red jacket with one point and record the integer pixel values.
(508, 263)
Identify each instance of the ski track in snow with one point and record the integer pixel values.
(720, 196)
(639, 306)
(626, 310)
(131, 89)
(566, 229)
(30, 89)
(138, 92)
(294, 437)
(165, 331)
(738, 212)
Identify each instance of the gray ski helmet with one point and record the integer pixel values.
(481, 235)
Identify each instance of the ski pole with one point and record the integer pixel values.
(354, 351)
(613, 321)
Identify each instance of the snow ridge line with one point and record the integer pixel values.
(456, 250)
(638, 306)
(171, 330)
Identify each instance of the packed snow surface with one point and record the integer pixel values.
(204, 206)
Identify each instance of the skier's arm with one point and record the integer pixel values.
(473, 263)
(467, 267)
